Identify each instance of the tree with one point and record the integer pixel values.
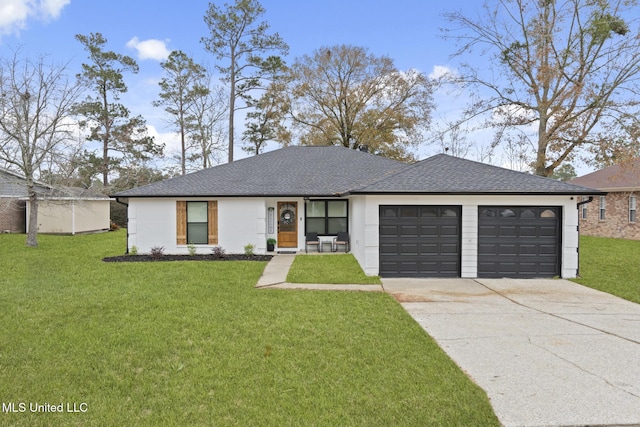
(36, 103)
(564, 74)
(107, 119)
(266, 122)
(238, 38)
(565, 172)
(347, 96)
(181, 89)
(206, 126)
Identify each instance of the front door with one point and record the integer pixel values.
(287, 225)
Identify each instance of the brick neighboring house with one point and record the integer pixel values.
(613, 215)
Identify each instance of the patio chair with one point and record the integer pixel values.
(342, 239)
(312, 239)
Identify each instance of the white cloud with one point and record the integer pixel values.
(14, 14)
(150, 49)
(440, 71)
(171, 140)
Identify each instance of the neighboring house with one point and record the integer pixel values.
(61, 210)
(441, 217)
(613, 214)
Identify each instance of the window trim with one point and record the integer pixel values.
(326, 216)
(602, 208)
(633, 209)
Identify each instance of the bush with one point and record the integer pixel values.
(133, 250)
(249, 249)
(192, 249)
(157, 252)
(217, 252)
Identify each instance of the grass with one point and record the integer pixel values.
(194, 343)
(611, 265)
(329, 269)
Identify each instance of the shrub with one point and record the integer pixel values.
(249, 249)
(157, 252)
(217, 252)
(192, 249)
(133, 250)
(113, 226)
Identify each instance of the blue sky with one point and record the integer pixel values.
(408, 31)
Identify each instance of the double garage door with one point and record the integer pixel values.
(513, 241)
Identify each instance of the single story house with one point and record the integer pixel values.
(440, 217)
(613, 214)
(61, 210)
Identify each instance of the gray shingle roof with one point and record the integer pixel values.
(335, 171)
(444, 174)
(291, 171)
(14, 185)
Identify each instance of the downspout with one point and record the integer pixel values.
(578, 205)
(73, 217)
(127, 205)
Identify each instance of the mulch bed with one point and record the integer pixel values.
(149, 258)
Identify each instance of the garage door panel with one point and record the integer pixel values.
(429, 249)
(549, 231)
(449, 231)
(516, 241)
(528, 231)
(408, 231)
(408, 249)
(449, 249)
(548, 250)
(426, 240)
(508, 230)
(388, 230)
(389, 248)
(429, 231)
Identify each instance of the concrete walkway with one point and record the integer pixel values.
(547, 352)
(275, 273)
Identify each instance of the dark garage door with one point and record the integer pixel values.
(420, 241)
(517, 241)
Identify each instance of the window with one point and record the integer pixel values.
(583, 208)
(197, 222)
(527, 213)
(326, 217)
(632, 208)
(548, 213)
(603, 205)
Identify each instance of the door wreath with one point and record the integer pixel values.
(287, 216)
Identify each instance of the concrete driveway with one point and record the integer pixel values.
(547, 352)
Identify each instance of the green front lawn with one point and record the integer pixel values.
(611, 265)
(336, 268)
(194, 343)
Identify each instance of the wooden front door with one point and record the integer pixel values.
(287, 224)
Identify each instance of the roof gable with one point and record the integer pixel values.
(445, 174)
